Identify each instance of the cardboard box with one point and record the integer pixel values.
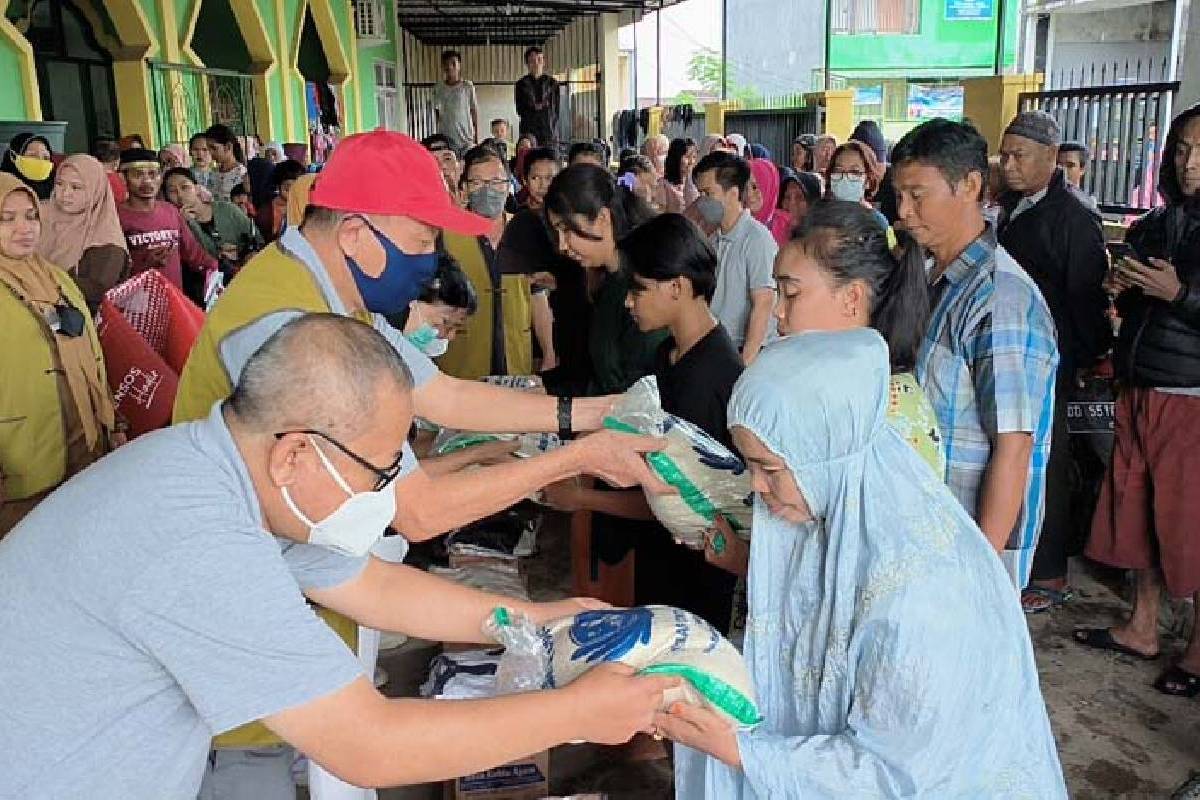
(523, 779)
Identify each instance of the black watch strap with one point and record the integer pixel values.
(564, 418)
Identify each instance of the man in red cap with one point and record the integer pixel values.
(365, 250)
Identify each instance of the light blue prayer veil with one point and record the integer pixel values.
(886, 644)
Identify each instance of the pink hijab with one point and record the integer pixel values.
(778, 222)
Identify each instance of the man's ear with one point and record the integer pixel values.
(284, 460)
(971, 185)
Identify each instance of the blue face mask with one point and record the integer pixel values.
(401, 281)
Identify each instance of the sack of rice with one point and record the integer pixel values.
(652, 639)
(711, 480)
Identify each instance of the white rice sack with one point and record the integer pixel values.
(711, 480)
(652, 639)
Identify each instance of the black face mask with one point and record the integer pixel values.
(67, 320)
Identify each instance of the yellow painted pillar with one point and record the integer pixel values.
(990, 103)
(28, 71)
(714, 117)
(839, 111)
(655, 126)
(131, 79)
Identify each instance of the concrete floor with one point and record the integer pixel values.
(1118, 737)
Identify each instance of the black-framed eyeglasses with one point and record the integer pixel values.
(382, 476)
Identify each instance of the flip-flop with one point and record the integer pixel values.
(1050, 598)
(1188, 685)
(1102, 639)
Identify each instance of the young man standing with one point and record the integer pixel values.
(672, 276)
(745, 290)
(1073, 157)
(157, 234)
(990, 352)
(536, 98)
(455, 106)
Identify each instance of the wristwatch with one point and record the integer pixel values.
(564, 418)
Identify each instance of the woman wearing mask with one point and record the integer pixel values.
(799, 190)
(675, 189)
(854, 175)
(590, 213)
(28, 158)
(81, 230)
(56, 412)
(228, 160)
(202, 162)
(762, 198)
(870, 682)
(497, 340)
(439, 314)
(219, 226)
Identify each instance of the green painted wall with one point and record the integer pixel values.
(952, 46)
(216, 40)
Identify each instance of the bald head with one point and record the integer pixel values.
(320, 371)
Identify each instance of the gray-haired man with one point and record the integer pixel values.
(177, 572)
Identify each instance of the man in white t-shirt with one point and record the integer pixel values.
(455, 106)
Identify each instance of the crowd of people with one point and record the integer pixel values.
(889, 336)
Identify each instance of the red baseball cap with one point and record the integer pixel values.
(391, 174)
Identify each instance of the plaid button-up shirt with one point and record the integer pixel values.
(987, 366)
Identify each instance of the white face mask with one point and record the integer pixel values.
(847, 188)
(426, 339)
(356, 524)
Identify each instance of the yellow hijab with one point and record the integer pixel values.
(297, 202)
(32, 279)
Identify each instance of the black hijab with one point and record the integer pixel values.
(16, 147)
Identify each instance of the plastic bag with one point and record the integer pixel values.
(652, 639)
(449, 441)
(711, 480)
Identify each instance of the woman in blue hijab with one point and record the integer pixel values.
(887, 647)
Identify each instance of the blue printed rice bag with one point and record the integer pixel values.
(652, 639)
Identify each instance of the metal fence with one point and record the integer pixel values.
(189, 99)
(775, 128)
(1123, 127)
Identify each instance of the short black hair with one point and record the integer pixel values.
(197, 137)
(1076, 147)
(451, 286)
(499, 120)
(955, 149)
(635, 163)
(731, 172)
(586, 148)
(287, 170)
(477, 155)
(449, 54)
(237, 191)
(670, 246)
(535, 155)
(106, 151)
(532, 50)
(177, 172)
(434, 139)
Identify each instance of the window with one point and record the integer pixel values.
(876, 16)
(386, 103)
(370, 21)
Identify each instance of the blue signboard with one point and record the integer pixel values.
(868, 95)
(970, 10)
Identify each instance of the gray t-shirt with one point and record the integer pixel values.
(745, 262)
(453, 105)
(144, 608)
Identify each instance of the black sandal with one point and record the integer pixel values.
(1102, 639)
(1178, 682)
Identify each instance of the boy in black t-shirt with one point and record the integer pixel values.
(672, 270)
